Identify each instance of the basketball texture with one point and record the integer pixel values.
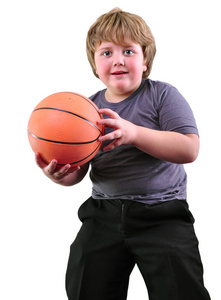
(64, 127)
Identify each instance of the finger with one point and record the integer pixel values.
(61, 172)
(39, 161)
(64, 171)
(73, 169)
(112, 145)
(112, 123)
(112, 114)
(50, 169)
(116, 134)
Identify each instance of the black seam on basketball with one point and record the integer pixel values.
(88, 100)
(69, 112)
(78, 161)
(72, 163)
(63, 143)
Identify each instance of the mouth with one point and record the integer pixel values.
(118, 73)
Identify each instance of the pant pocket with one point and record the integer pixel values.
(88, 208)
(169, 210)
(185, 208)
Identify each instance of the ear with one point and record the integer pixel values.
(144, 68)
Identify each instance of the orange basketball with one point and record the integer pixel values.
(64, 127)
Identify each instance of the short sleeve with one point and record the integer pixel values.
(175, 114)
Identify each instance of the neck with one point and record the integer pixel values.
(115, 98)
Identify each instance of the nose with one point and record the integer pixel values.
(118, 59)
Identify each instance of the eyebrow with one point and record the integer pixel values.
(104, 48)
(110, 47)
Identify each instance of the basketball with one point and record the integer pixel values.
(64, 127)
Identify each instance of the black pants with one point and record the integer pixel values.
(116, 235)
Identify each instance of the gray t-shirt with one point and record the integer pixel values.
(126, 172)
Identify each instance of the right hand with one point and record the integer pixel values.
(51, 170)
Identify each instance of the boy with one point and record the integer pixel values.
(138, 212)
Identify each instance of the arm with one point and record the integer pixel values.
(66, 175)
(165, 145)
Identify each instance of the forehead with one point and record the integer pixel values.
(114, 44)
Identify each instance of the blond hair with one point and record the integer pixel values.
(117, 26)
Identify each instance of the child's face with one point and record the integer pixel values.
(120, 68)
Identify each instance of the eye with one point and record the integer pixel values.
(128, 52)
(107, 53)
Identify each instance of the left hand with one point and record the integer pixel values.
(124, 131)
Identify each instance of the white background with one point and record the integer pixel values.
(42, 52)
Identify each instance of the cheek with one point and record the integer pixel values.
(137, 70)
(140, 67)
(101, 67)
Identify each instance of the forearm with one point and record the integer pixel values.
(165, 145)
